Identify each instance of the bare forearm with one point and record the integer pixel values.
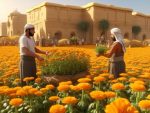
(39, 51)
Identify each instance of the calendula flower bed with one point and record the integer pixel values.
(66, 62)
(98, 92)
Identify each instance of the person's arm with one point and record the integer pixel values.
(113, 50)
(30, 53)
(39, 51)
(23, 45)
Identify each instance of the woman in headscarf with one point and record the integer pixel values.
(116, 53)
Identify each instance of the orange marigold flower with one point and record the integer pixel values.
(122, 79)
(123, 74)
(57, 109)
(97, 95)
(27, 88)
(69, 100)
(132, 79)
(32, 91)
(144, 104)
(27, 79)
(63, 87)
(118, 86)
(65, 83)
(99, 79)
(38, 93)
(137, 87)
(44, 90)
(50, 87)
(120, 105)
(16, 102)
(21, 92)
(38, 80)
(84, 86)
(110, 94)
(139, 82)
(75, 88)
(84, 80)
(53, 98)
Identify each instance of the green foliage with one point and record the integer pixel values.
(100, 49)
(136, 30)
(73, 40)
(103, 25)
(83, 26)
(70, 65)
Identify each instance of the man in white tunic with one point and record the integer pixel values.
(28, 54)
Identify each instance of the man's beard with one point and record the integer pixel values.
(31, 34)
(113, 39)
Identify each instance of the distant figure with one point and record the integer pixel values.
(28, 54)
(57, 36)
(102, 39)
(116, 53)
(73, 38)
(97, 41)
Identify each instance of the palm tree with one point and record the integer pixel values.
(83, 26)
(136, 30)
(103, 26)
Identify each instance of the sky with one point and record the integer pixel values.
(7, 6)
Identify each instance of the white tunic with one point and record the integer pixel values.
(29, 43)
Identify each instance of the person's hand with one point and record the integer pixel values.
(46, 53)
(40, 58)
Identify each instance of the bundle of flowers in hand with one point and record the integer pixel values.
(100, 50)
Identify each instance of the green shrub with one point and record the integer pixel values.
(69, 64)
(74, 40)
(100, 49)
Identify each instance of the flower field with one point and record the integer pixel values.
(98, 92)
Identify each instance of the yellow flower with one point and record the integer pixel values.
(44, 90)
(50, 87)
(21, 92)
(99, 79)
(118, 86)
(75, 88)
(63, 88)
(16, 102)
(38, 93)
(32, 91)
(144, 104)
(53, 98)
(133, 79)
(97, 95)
(57, 109)
(65, 83)
(122, 79)
(84, 86)
(84, 80)
(27, 79)
(69, 100)
(139, 82)
(137, 87)
(110, 94)
(38, 80)
(123, 74)
(120, 105)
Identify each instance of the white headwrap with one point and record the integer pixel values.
(28, 26)
(119, 38)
